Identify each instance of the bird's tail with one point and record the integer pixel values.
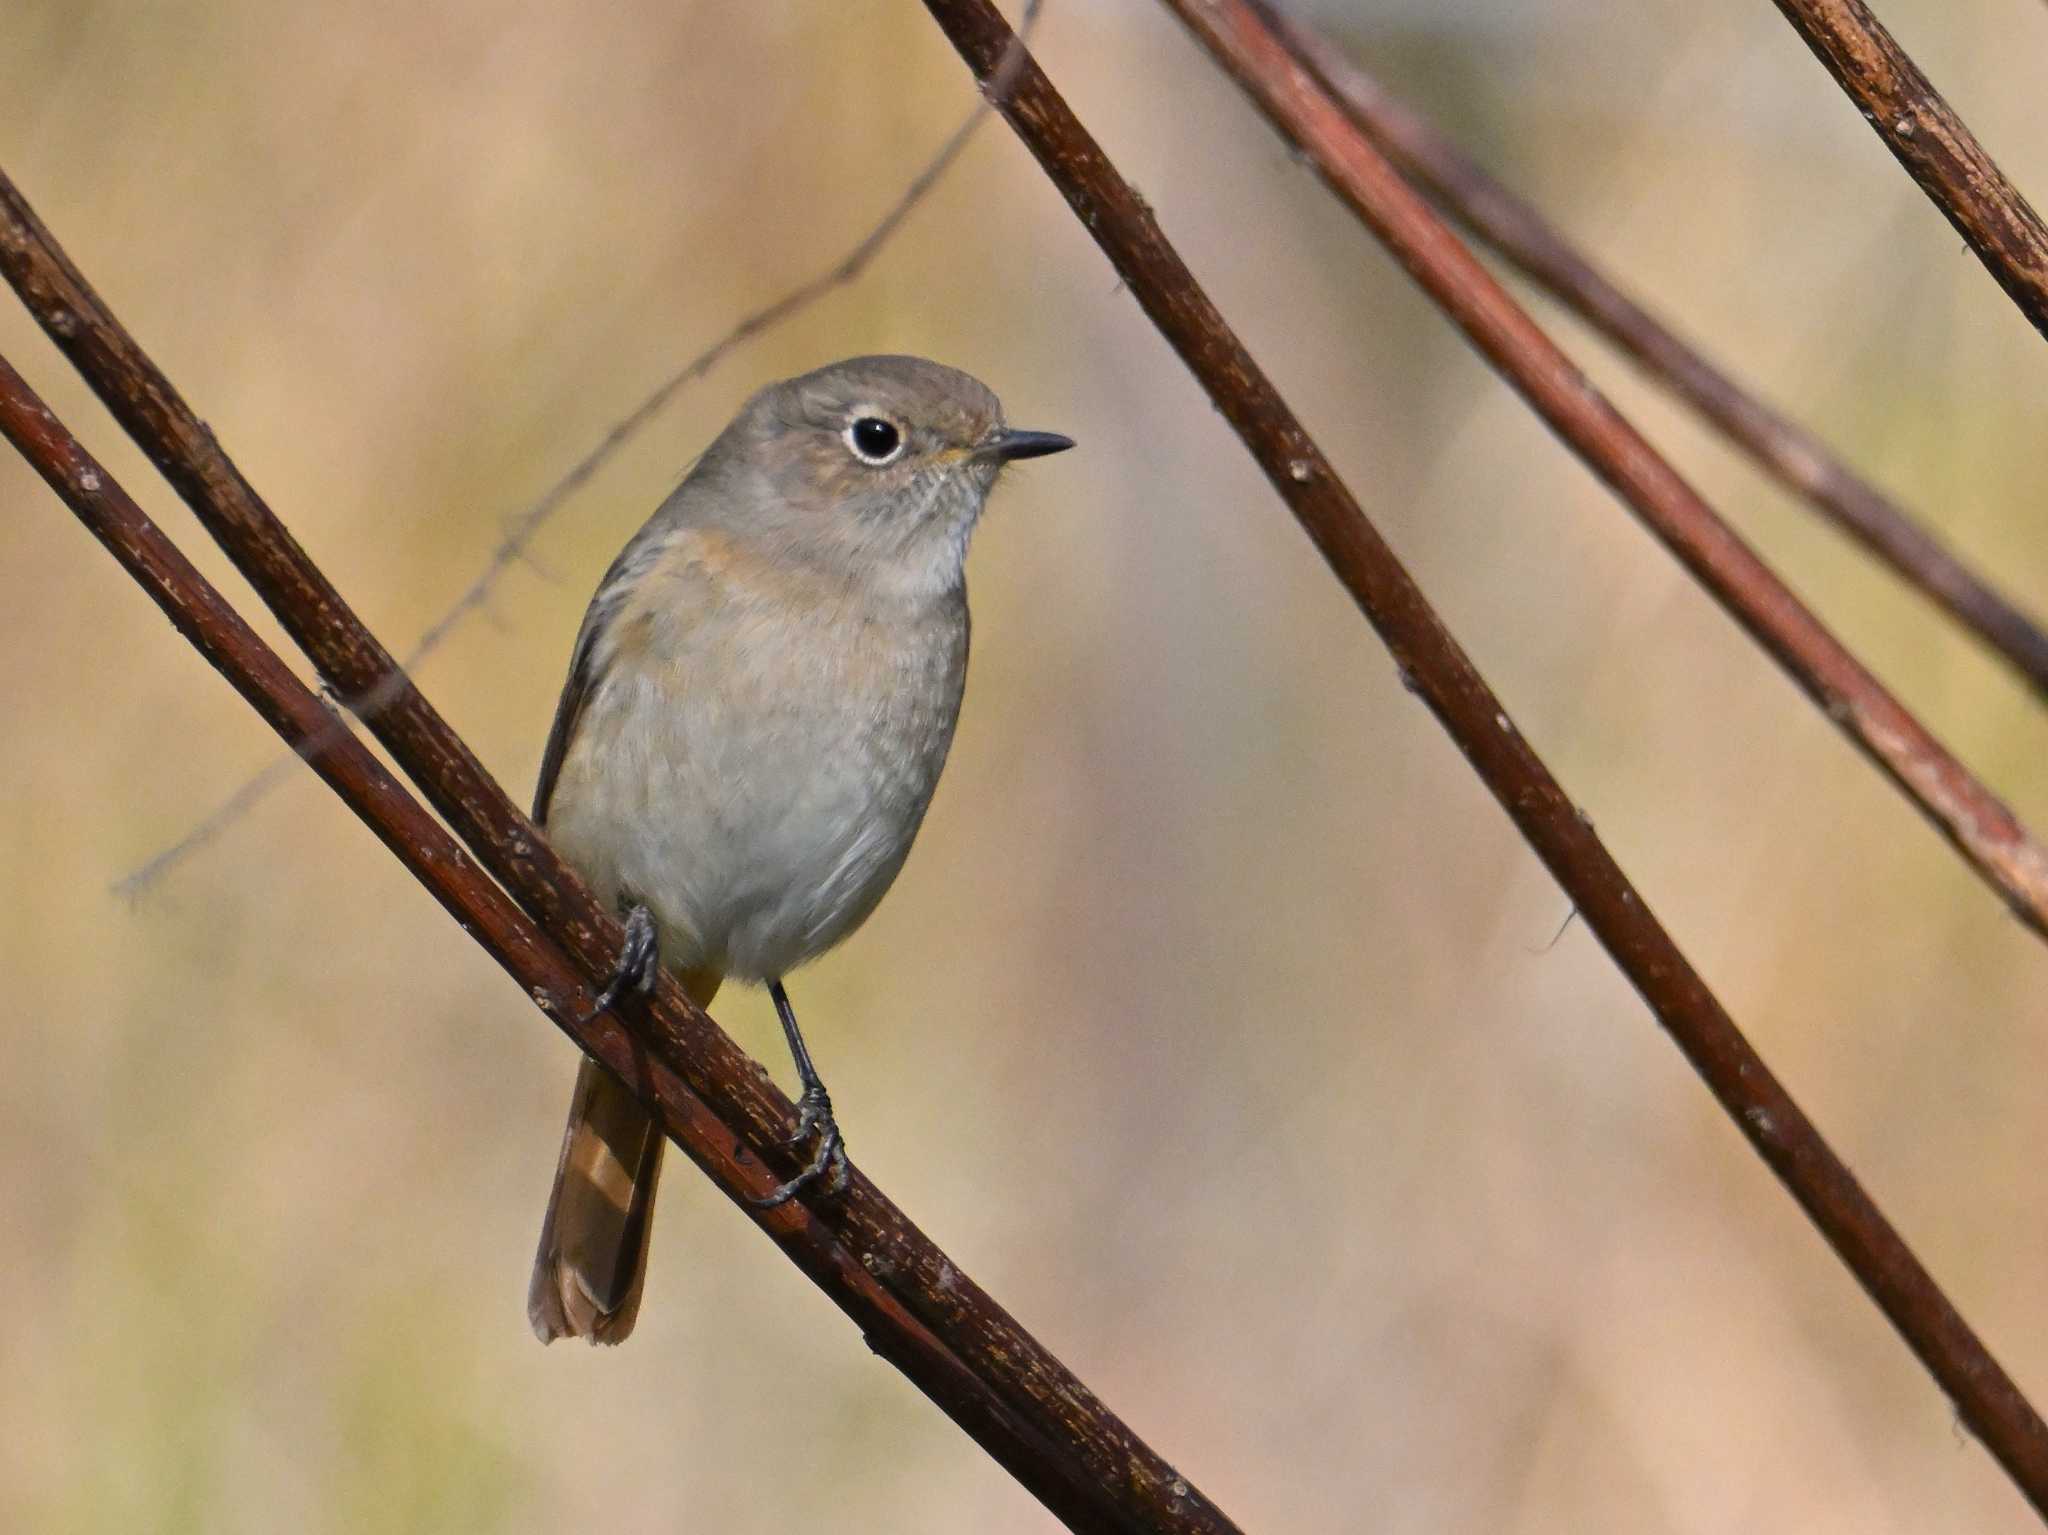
(592, 1262)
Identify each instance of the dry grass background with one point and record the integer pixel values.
(1212, 1025)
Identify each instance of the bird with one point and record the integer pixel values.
(759, 703)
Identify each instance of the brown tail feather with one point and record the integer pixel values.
(592, 1263)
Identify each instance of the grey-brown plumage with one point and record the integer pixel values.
(759, 704)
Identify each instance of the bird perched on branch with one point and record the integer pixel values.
(758, 706)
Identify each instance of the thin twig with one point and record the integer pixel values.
(1123, 225)
(526, 526)
(1789, 452)
(1924, 134)
(1050, 1459)
(1975, 821)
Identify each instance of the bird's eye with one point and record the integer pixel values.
(874, 440)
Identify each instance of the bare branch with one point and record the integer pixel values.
(1783, 448)
(996, 1380)
(1123, 225)
(1049, 1458)
(1924, 134)
(526, 526)
(1976, 822)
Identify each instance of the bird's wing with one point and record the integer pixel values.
(591, 655)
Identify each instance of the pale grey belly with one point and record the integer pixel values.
(760, 827)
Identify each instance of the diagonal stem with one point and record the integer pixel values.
(1122, 224)
(1934, 145)
(1789, 452)
(1084, 1465)
(1976, 822)
(1034, 1415)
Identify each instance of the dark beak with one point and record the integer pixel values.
(1010, 444)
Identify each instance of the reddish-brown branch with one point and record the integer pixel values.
(1123, 225)
(1008, 1390)
(1975, 821)
(1783, 448)
(1924, 134)
(1050, 1470)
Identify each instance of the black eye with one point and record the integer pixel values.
(874, 439)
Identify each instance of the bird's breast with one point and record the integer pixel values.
(755, 770)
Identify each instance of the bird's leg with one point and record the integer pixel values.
(639, 962)
(813, 1116)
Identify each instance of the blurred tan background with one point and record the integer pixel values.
(1215, 1025)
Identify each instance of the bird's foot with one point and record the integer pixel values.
(814, 1121)
(639, 963)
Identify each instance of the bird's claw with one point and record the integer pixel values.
(639, 963)
(828, 1160)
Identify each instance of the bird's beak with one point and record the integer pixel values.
(1010, 443)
